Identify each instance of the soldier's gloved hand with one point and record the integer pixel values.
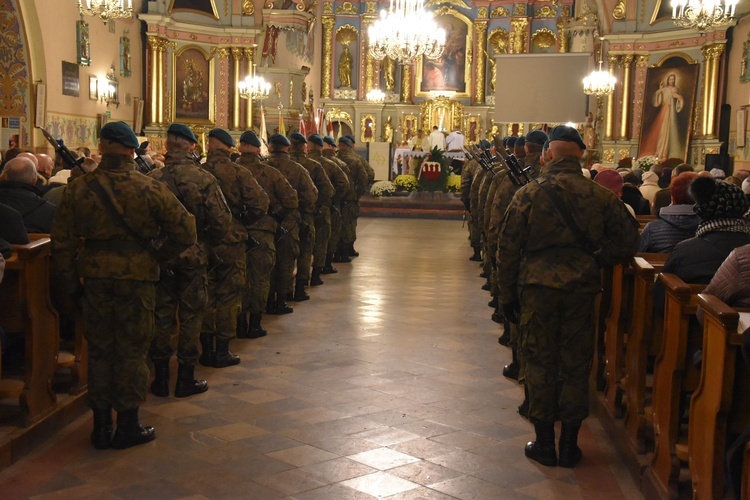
(512, 311)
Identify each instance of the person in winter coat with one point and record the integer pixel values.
(650, 185)
(676, 222)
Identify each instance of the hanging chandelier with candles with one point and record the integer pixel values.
(703, 14)
(599, 82)
(106, 9)
(254, 87)
(375, 95)
(406, 31)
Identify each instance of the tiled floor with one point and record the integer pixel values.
(386, 384)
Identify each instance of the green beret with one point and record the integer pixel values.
(329, 140)
(222, 135)
(249, 137)
(485, 144)
(315, 139)
(567, 134)
(121, 133)
(511, 142)
(536, 137)
(183, 131)
(351, 138)
(520, 141)
(279, 140)
(297, 137)
(345, 140)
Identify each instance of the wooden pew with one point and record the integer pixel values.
(639, 344)
(25, 307)
(669, 382)
(603, 305)
(643, 220)
(618, 323)
(719, 397)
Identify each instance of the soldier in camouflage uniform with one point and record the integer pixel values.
(350, 211)
(282, 204)
(370, 173)
(549, 277)
(105, 258)
(226, 280)
(468, 172)
(350, 196)
(340, 183)
(287, 241)
(183, 285)
(320, 222)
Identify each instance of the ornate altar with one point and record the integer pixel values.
(446, 113)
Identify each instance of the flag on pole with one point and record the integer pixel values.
(263, 132)
(302, 126)
(282, 127)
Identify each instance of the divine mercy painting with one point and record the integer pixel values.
(447, 72)
(667, 111)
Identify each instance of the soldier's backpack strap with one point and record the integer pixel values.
(167, 176)
(97, 188)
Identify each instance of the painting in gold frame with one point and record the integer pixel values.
(451, 72)
(473, 130)
(203, 7)
(368, 128)
(193, 85)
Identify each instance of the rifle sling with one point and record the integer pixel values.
(561, 207)
(97, 188)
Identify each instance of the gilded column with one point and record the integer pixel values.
(627, 61)
(153, 76)
(406, 83)
(160, 62)
(250, 56)
(562, 39)
(222, 102)
(639, 89)
(711, 56)
(609, 129)
(519, 34)
(236, 57)
(369, 60)
(326, 89)
(480, 35)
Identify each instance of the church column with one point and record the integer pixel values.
(367, 57)
(153, 75)
(250, 56)
(480, 35)
(639, 89)
(406, 82)
(326, 88)
(711, 56)
(160, 62)
(236, 57)
(627, 60)
(609, 129)
(222, 104)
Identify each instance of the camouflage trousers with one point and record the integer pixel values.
(260, 261)
(226, 281)
(322, 236)
(557, 342)
(183, 293)
(349, 213)
(307, 237)
(287, 251)
(333, 241)
(119, 325)
(474, 234)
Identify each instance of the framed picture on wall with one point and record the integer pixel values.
(668, 109)
(741, 127)
(70, 84)
(83, 48)
(193, 85)
(40, 108)
(450, 72)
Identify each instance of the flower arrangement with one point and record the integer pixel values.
(383, 188)
(453, 184)
(646, 162)
(406, 182)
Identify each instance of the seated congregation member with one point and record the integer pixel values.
(676, 222)
(55, 194)
(18, 191)
(12, 228)
(663, 198)
(612, 180)
(555, 235)
(650, 185)
(721, 207)
(632, 195)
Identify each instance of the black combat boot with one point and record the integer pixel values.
(543, 449)
(328, 268)
(282, 307)
(101, 436)
(187, 385)
(477, 257)
(511, 370)
(315, 278)
(523, 408)
(160, 385)
(129, 430)
(570, 453)
(493, 303)
(341, 254)
(243, 327)
(207, 344)
(351, 252)
(256, 331)
(299, 292)
(497, 317)
(223, 356)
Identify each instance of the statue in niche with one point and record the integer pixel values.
(270, 44)
(345, 68)
(389, 72)
(388, 130)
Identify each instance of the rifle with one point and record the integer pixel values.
(517, 173)
(141, 165)
(483, 158)
(67, 157)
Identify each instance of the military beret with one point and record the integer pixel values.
(345, 140)
(249, 137)
(520, 141)
(505, 140)
(566, 134)
(121, 133)
(511, 141)
(536, 137)
(182, 131)
(315, 139)
(222, 135)
(351, 138)
(297, 137)
(279, 140)
(485, 144)
(329, 140)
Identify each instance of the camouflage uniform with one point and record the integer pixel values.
(349, 197)
(467, 178)
(542, 263)
(319, 223)
(340, 183)
(282, 203)
(474, 203)
(350, 210)
(119, 273)
(288, 244)
(183, 284)
(484, 188)
(226, 280)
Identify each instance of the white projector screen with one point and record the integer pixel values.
(541, 88)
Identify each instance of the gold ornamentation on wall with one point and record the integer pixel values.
(608, 156)
(338, 115)
(457, 3)
(291, 93)
(482, 13)
(565, 13)
(744, 75)
(368, 128)
(641, 61)
(347, 8)
(622, 153)
(223, 52)
(346, 34)
(406, 83)
(562, 37)
(499, 41)
(545, 12)
(519, 9)
(371, 7)
(543, 38)
(325, 74)
(518, 35)
(248, 8)
(369, 60)
(277, 89)
(328, 8)
(500, 12)
(619, 11)
(442, 111)
(480, 31)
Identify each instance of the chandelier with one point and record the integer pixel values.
(599, 82)
(106, 9)
(375, 95)
(406, 31)
(703, 14)
(254, 87)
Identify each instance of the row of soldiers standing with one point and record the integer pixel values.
(206, 248)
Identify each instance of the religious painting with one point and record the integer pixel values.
(126, 63)
(744, 72)
(368, 128)
(83, 43)
(668, 109)
(409, 126)
(203, 7)
(70, 79)
(449, 72)
(193, 85)
(473, 130)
